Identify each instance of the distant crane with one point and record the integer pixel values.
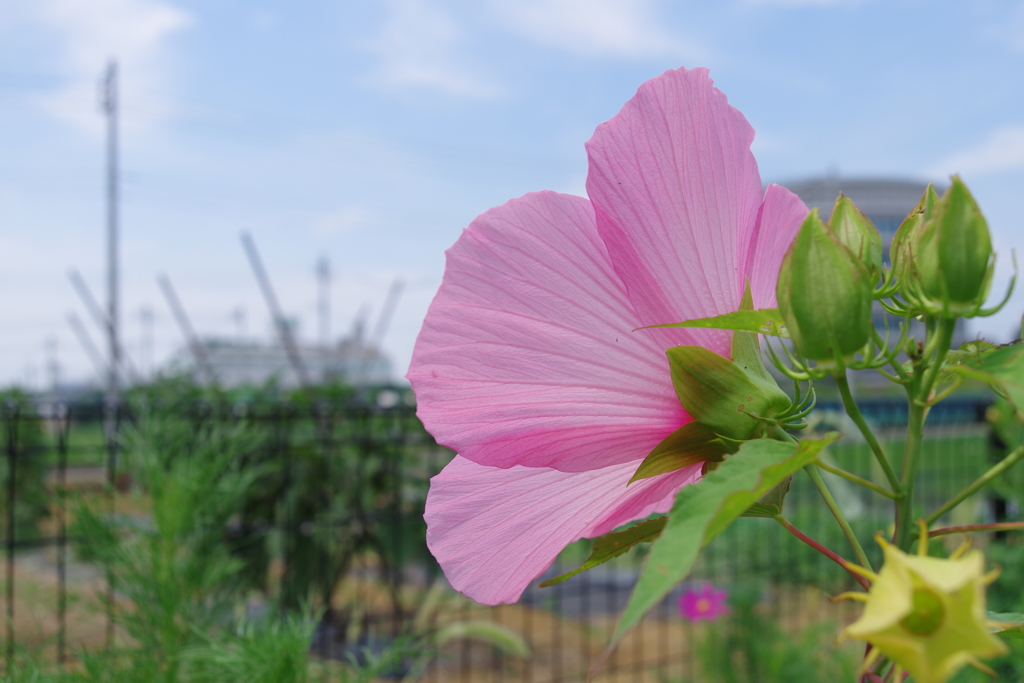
(373, 343)
(87, 344)
(102, 321)
(195, 346)
(283, 330)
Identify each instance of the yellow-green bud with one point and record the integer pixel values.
(857, 233)
(954, 256)
(824, 294)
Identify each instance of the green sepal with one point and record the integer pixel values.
(1011, 624)
(612, 545)
(770, 503)
(690, 444)
(718, 392)
(857, 233)
(703, 510)
(1001, 368)
(763, 321)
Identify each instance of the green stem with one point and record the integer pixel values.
(854, 412)
(997, 526)
(849, 476)
(1006, 463)
(919, 393)
(838, 514)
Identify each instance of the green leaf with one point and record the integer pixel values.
(765, 510)
(703, 510)
(764, 321)
(1002, 368)
(1011, 624)
(746, 352)
(688, 445)
(612, 545)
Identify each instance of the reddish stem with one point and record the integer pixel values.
(998, 526)
(823, 550)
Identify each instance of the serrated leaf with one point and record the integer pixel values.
(1008, 625)
(703, 510)
(1002, 368)
(612, 545)
(692, 443)
(763, 321)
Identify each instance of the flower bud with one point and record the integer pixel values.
(904, 243)
(824, 294)
(857, 233)
(723, 394)
(954, 257)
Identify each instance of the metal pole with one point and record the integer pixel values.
(113, 304)
(113, 393)
(197, 348)
(12, 416)
(287, 339)
(323, 276)
(63, 415)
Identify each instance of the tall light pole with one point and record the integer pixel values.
(323, 278)
(109, 106)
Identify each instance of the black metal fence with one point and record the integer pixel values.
(335, 519)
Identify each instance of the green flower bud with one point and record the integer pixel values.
(857, 233)
(904, 243)
(824, 295)
(954, 258)
(723, 394)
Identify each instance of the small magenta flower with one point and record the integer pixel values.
(705, 603)
(527, 365)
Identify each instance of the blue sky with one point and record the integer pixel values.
(373, 132)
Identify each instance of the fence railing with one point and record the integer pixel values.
(335, 519)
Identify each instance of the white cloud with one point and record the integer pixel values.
(92, 32)
(416, 48)
(339, 222)
(1002, 150)
(592, 27)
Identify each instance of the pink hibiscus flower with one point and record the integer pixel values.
(527, 365)
(706, 602)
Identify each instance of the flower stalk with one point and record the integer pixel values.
(850, 405)
(920, 393)
(1006, 463)
(845, 564)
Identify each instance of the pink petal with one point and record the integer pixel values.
(676, 193)
(495, 530)
(527, 355)
(777, 225)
